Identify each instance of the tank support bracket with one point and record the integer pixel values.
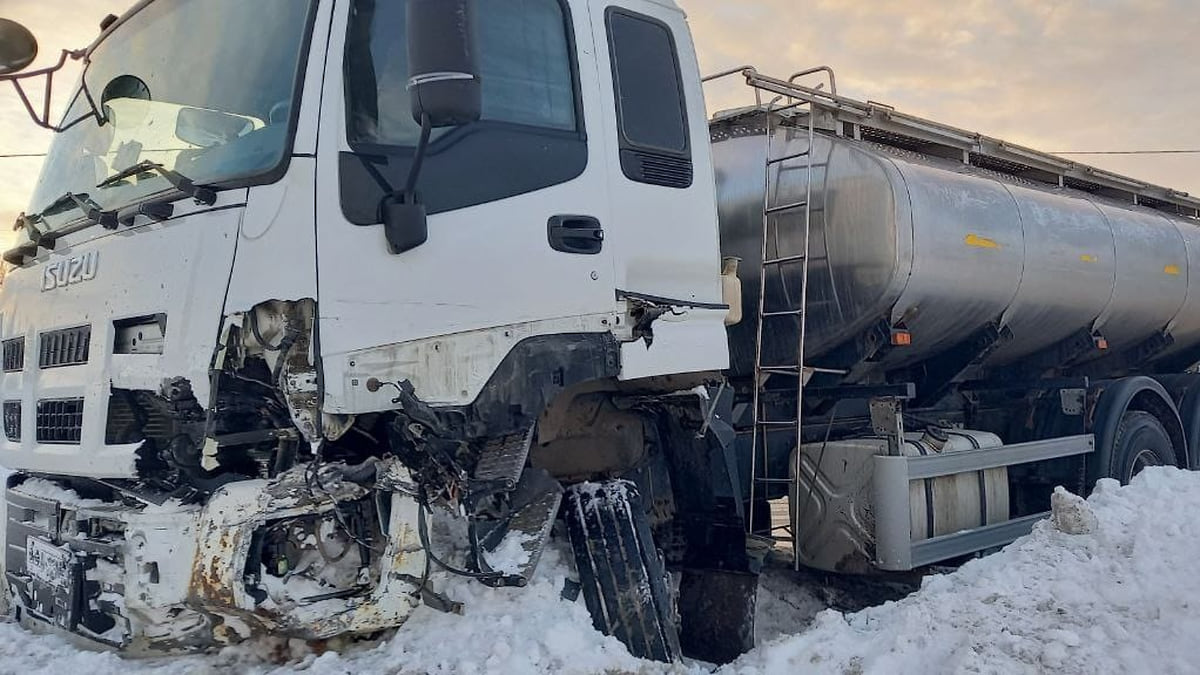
(888, 421)
(934, 376)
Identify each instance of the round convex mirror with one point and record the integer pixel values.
(18, 47)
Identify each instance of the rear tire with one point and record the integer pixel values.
(1140, 441)
(621, 572)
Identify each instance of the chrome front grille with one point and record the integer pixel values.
(60, 421)
(12, 421)
(66, 347)
(14, 355)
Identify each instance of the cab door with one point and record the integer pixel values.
(518, 202)
(663, 233)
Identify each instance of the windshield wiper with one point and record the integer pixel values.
(48, 239)
(82, 201)
(109, 220)
(187, 186)
(105, 219)
(17, 254)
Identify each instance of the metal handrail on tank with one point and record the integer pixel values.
(748, 72)
(817, 69)
(762, 426)
(744, 70)
(1039, 166)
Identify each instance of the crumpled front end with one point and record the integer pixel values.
(308, 555)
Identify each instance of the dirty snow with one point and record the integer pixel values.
(511, 555)
(1120, 598)
(1123, 599)
(40, 487)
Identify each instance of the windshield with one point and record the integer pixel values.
(202, 87)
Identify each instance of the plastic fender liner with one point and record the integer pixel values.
(1131, 393)
(534, 372)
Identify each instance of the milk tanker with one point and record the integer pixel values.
(946, 249)
(955, 293)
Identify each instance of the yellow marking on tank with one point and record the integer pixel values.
(981, 242)
(1172, 270)
(1089, 258)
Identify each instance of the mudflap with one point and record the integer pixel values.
(716, 609)
(621, 573)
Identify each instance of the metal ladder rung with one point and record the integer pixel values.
(788, 158)
(795, 370)
(786, 207)
(789, 312)
(789, 106)
(784, 259)
(763, 429)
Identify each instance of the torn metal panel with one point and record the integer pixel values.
(379, 596)
(281, 334)
(179, 577)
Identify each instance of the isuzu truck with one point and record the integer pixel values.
(316, 298)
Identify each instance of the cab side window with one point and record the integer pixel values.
(531, 135)
(651, 111)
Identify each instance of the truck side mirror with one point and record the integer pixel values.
(18, 47)
(443, 74)
(443, 84)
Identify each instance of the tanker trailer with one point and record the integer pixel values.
(940, 327)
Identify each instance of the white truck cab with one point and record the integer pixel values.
(255, 316)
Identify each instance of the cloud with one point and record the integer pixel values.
(1067, 75)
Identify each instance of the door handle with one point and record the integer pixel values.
(581, 235)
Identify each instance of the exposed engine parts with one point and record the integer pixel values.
(264, 422)
(262, 417)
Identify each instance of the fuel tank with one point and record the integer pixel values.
(944, 250)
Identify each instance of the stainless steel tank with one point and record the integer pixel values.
(943, 249)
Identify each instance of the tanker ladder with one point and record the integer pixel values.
(774, 260)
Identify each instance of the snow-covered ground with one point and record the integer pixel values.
(1121, 598)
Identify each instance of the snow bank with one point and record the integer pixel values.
(1120, 598)
(1123, 598)
(530, 630)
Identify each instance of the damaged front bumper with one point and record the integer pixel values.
(307, 555)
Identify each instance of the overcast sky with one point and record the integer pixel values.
(1052, 74)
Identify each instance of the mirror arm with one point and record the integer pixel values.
(414, 171)
(43, 120)
(405, 222)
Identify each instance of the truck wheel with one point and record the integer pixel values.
(1140, 441)
(621, 573)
